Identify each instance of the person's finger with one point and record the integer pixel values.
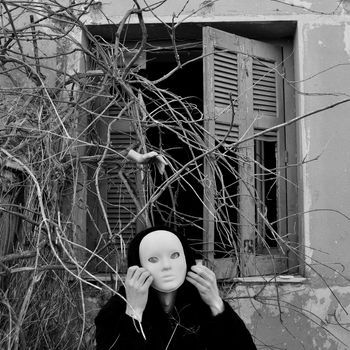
(203, 271)
(137, 273)
(151, 154)
(203, 268)
(195, 276)
(131, 271)
(161, 159)
(143, 276)
(161, 168)
(148, 157)
(198, 285)
(148, 281)
(199, 279)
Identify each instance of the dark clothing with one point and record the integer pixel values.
(190, 325)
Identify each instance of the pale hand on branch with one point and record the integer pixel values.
(149, 157)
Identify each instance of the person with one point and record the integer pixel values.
(168, 302)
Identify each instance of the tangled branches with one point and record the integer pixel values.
(94, 146)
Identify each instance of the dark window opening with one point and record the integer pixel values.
(181, 204)
(215, 234)
(266, 191)
(226, 204)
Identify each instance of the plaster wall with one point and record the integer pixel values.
(324, 80)
(45, 50)
(313, 314)
(206, 9)
(51, 54)
(303, 317)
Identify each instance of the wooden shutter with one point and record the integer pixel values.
(264, 88)
(249, 71)
(121, 208)
(119, 205)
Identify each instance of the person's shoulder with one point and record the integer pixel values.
(189, 298)
(115, 305)
(238, 326)
(230, 314)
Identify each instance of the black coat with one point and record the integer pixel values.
(190, 325)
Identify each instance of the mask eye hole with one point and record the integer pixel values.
(175, 255)
(153, 259)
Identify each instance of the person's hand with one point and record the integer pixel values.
(205, 281)
(137, 283)
(158, 159)
(148, 157)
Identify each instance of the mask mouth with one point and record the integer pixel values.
(167, 283)
(168, 277)
(165, 290)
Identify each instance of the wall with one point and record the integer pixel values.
(311, 313)
(215, 10)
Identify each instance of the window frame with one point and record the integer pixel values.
(226, 268)
(249, 262)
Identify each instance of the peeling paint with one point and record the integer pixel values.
(313, 317)
(345, 5)
(347, 39)
(305, 131)
(327, 344)
(207, 7)
(301, 3)
(319, 303)
(304, 139)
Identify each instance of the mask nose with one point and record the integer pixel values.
(166, 264)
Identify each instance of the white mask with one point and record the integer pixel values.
(162, 254)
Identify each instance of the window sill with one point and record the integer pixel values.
(282, 279)
(285, 279)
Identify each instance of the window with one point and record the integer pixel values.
(241, 205)
(114, 200)
(120, 188)
(247, 72)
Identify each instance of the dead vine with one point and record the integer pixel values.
(71, 109)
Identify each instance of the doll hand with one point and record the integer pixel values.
(157, 159)
(137, 283)
(205, 281)
(153, 156)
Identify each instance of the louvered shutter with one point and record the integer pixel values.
(121, 208)
(264, 88)
(118, 202)
(249, 71)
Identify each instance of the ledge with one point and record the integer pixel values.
(285, 279)
(270, 279)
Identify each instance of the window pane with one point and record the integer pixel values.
(226, 202)
(266, 192)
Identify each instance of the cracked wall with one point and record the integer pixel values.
(313, 314)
